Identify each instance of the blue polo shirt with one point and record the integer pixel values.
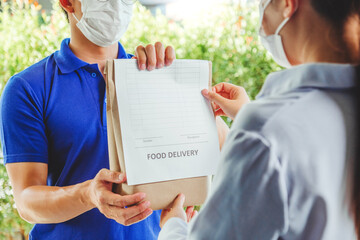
(54, 112)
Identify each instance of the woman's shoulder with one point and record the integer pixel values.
(256, 115)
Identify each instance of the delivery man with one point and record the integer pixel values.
(54, 134)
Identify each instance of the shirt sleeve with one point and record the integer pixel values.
(248, 199)
(174, 229)
(22, 126)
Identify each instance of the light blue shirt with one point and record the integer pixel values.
(286, 167)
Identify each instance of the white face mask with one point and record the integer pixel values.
(273, 43)
(104, 22)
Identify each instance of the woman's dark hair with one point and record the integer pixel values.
(338, 12)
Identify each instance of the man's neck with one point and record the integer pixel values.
(91, 53)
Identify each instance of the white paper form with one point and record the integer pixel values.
(168, 128)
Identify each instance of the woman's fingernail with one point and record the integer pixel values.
(143, 67)
(121, 176)
(205, 92)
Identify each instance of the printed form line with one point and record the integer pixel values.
(172, 144)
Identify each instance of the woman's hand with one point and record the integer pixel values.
(154, 56)
(227, 99)
(126, 210)
(177, 210)
(222, 129)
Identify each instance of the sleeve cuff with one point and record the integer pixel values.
(174, 229)
(25, 158)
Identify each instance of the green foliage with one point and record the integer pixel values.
(28, 35)
(226, 36)
(10, 222)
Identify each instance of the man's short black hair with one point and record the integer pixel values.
(67, 16)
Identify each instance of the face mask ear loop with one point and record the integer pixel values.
(75, 17)
(281, 26)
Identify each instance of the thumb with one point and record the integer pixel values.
(179, 201)
(110, 176)
(217, 98)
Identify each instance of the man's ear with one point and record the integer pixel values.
(290, 8)
(67, 6)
